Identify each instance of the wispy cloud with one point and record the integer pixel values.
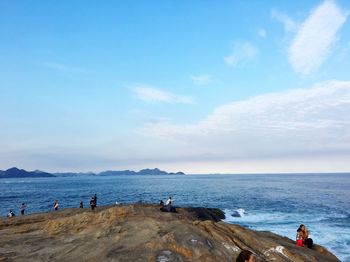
(62, 67)
(151, 94)
(314, 39)
(201, 79)
(288, 23)
(292, 123)
(242, 53)
(262, 32)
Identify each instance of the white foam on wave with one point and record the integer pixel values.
(240, 212)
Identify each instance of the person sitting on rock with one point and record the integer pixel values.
(303, 233)
(169, 201)
(246, 256)
(11, 214)
(299, 239)
(168, 207)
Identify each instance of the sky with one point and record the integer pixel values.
(193, 86)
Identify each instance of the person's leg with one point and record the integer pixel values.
(309, 242)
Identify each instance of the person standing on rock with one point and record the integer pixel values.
(92, 203)
(55, 205)
(81, 204)
(246, 256)
(23, 208)
(95, 200)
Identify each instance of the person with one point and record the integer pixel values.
(303, 233)
(161, 203)
(81, 204)
(299, 239)
(92, 203)
(23, 208)
(95, 200)
(169, 201)
(168, 207)
(246, 256)
(11, 214)
(55, 205)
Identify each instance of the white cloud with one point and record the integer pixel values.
(300, 122)
(313, 41)
(151, 94)
(262, 32)
(242, 52)
(201, 79)
(288, 23)
(62, 67)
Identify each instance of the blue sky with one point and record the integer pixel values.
(196, 86)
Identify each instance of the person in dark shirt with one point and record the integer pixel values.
(23, 208)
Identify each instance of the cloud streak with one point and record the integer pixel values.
(154, 95)
(288, 23)
(315, 38)
(299, 122)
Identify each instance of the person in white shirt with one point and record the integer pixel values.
(169, 201)
(11, 214)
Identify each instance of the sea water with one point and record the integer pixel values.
(276, 203)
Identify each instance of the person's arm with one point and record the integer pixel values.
(307, 232)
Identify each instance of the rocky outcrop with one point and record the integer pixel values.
(141, 233)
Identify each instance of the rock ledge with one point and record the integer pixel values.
(141, 233)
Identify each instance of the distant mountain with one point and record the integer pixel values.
(21, 173)
(156, 171)
(143, 172)
(115, 173)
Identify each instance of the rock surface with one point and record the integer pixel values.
(141, 233)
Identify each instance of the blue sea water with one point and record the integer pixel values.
(273, 202)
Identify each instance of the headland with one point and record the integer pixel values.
(141, 232)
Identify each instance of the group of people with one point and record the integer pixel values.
(302, 237)
(93, 203)
(168, 206)
(22, 210)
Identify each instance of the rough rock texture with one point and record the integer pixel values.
(141, 233)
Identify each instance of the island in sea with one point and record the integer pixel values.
(15, 172)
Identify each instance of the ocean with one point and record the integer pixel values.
(274, 202)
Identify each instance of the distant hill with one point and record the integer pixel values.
(21, 173)
(115, 173)
(144, 172)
